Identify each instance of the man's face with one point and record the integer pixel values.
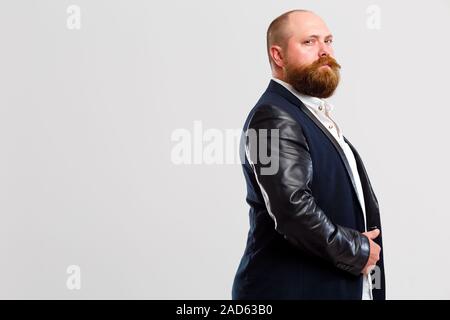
(310, 65)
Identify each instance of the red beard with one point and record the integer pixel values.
(313, 79)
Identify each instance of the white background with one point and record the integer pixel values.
(86, 118)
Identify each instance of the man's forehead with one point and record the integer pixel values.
(307, 24)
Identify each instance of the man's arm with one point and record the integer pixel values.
(288, 198)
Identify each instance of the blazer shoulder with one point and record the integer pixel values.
(273, 117)
(271, 113)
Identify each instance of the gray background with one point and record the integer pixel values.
(86, 118)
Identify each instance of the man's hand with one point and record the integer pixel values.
(374, 251)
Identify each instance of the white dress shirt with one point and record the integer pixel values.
(322, 110)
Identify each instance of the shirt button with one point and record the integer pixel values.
(320, 108)
(330, 126)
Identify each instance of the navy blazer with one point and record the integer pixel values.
(275, 267)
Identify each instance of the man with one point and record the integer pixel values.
(315, 229)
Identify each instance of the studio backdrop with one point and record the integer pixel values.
(119, 126)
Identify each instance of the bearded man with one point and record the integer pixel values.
(315, 228)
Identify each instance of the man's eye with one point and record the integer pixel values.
(308, 42)
(329, 41)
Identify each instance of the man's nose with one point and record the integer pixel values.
(325, 50)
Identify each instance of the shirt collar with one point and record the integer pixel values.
(317, 104)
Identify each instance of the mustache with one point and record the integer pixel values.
(326, 60)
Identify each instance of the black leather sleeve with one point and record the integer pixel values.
(287, 192)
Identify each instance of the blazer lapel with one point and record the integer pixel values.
(334, 142)
(371, 201)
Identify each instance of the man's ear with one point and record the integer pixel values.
(277, 55)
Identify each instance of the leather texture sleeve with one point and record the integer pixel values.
(287, 192)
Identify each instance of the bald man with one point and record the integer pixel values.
(315, 228)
